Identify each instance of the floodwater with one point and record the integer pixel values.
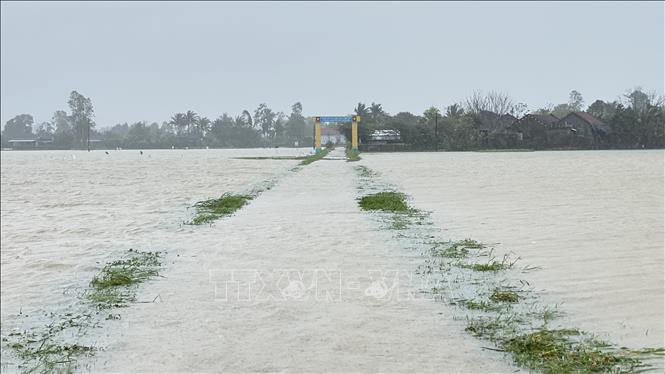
(289, 283)
(591, 220)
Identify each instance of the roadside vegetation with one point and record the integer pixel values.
(352, 155)
(317, 156)
(57, 346)
(498, 306)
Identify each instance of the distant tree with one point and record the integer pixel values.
(430, 113)
(454, 111)
(362, 111)
(575, 101)
(222, 132)
(81, 116)
(190, 119)
(519, 110)
(575, 104)
(547, 109)
(178, 122)
(279, 128)
(561, 110)
(367, 122)
(638, 100)
(602, 110)
(19, 127)
(203, 125)
(45, 130)
(295, 125)
(247, 118)
(377, 115)
(264, 118)
(64, 136)
(495, 102)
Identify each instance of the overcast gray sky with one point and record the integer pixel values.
(145, 61)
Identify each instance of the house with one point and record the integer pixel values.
(492, 123)
(385, 136)
(384, 140)
(578, 130)
(531, 130)
(331, 134)
(17, 144)
(493, 129)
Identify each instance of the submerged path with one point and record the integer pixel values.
(308, 222)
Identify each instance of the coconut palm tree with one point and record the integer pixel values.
(179, 122)
(191, 118)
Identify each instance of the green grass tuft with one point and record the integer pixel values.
(554, 351)
(111, 289)
(491, 265)
(482, 305)
(212, 209)
(317, 156)
(352, 155)
(504, 296)
(41, 351)
(385, 201)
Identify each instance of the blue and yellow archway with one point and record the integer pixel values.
(336, 119)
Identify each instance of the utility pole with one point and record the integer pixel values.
(88, 136)
(436, 131)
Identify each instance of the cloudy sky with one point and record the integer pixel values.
(145, 61)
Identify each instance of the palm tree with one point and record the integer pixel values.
(247, 117)
(377, 113)
(191, 118)
(203, 125)
(178, 121)
(361, 110)
(454, 111)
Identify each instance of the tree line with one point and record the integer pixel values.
(637, 120)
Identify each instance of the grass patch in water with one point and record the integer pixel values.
(555, 351)
(43, 352)
(365, 172)
(317, 156)
(492, 265)
(212, 209)
(504, 296)
(352, 155)
(385, 201)
(482, 305)
(51, 349)
(471, 244)
(492, 328)
(458, 249)
(111, 288)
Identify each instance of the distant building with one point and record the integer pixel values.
(385, 136)
(493, 129)
(578, 130)
(489, 123)
(331, 134)
(23, 143)
(531, 130)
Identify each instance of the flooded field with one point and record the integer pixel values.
(592, 222)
